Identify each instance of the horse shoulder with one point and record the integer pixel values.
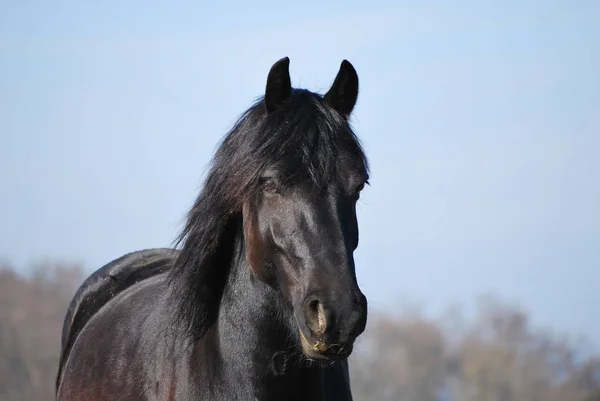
(104, 285)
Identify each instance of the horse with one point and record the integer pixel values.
(257, 298)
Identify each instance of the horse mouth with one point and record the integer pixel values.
(320, 351)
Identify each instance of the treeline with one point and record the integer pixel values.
(31, 314)
(496, 356)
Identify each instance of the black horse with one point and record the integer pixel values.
(261, 301)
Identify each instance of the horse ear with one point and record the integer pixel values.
(344, 91)
(279, 85)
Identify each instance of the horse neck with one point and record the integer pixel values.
(256, 347)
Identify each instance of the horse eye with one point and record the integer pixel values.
(358, 189)
(269, 185)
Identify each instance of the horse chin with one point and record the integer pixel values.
(322, 352)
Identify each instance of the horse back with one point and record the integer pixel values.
(103, 285)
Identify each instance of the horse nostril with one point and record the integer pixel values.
(316, 317)
(313, 305)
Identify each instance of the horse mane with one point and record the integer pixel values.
(304, 138)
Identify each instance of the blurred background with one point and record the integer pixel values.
(480, 232)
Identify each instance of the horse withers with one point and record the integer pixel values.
(259, 299)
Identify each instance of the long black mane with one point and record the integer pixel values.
(308, 136)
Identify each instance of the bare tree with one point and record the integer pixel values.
(403, 359)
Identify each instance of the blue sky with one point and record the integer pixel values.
(481, 122)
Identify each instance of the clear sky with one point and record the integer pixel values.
(481, 121)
